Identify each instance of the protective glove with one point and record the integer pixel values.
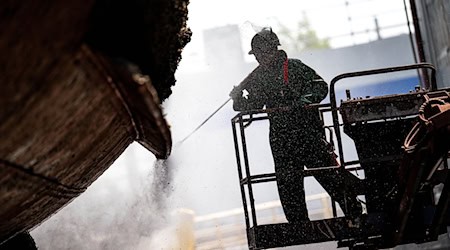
(236, 92)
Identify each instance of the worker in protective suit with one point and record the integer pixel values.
(297, 137)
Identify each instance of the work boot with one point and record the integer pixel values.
(295, 212)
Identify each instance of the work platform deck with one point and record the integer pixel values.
(340, 229)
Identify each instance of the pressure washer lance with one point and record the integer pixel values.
(240, 87)
(236, 88)
(203, 123)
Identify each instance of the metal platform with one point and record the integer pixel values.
(378, 127)
(348, 231)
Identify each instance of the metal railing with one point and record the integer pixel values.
(226, 229)
(333, 102)
(246, 178)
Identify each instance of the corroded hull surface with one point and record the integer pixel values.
(68, 110)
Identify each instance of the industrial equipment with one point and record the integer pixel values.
(402, 142)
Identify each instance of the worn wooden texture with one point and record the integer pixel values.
(58, 141)
(67, 109)
(33, 36)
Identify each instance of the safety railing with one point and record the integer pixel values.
(226, 229)
(333, 102)
(244, 119)
(246, 179)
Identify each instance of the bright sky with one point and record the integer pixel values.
(328, 17)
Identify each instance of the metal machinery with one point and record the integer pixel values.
(402, 143)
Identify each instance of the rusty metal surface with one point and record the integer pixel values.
(334, 107)
(376, 108)
(424, 165)
(435, 18)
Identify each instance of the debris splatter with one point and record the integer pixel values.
(110, 215)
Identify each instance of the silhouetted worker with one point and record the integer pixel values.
(297, 136)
